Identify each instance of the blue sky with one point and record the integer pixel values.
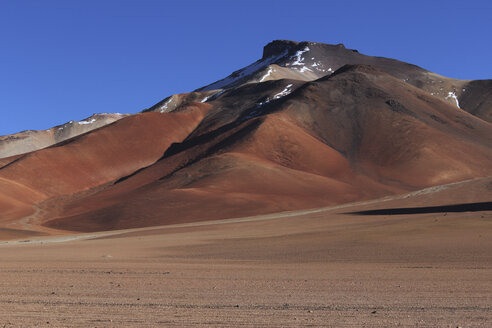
(65, 60)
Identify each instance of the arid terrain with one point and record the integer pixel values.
(315, 268)
(315, 187)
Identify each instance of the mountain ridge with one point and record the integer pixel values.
(451, 90)
(307, 125)
(160, 174)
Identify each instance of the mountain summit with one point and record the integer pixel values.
(307, 125)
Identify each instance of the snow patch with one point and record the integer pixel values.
(248, 70)
(260, 104)
(453, 95)
(256, 111)
(87, 122)
(164, 107)
(270, 71)
(213, 96)
(304, 68)
(299, 60)
(284, 92)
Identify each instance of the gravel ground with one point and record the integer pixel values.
(314, 270)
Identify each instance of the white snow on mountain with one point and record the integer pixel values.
(247, 71)
(87, 122)
(453, 95)
(298, 59)
(284, 92)
(256, 111)
(270, 71)
(164, 108)
(304, 68)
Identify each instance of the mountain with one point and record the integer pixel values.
(28, 141)
(307, 125)
(308, 61)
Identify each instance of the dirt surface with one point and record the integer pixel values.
(312, 268)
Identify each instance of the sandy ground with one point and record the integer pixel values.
(320, 268)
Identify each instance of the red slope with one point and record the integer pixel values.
(358, 134)
(100, 156)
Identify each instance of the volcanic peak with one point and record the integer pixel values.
(277, 47)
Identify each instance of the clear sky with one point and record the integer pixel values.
(65, 60)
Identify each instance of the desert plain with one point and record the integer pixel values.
(325, 267)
